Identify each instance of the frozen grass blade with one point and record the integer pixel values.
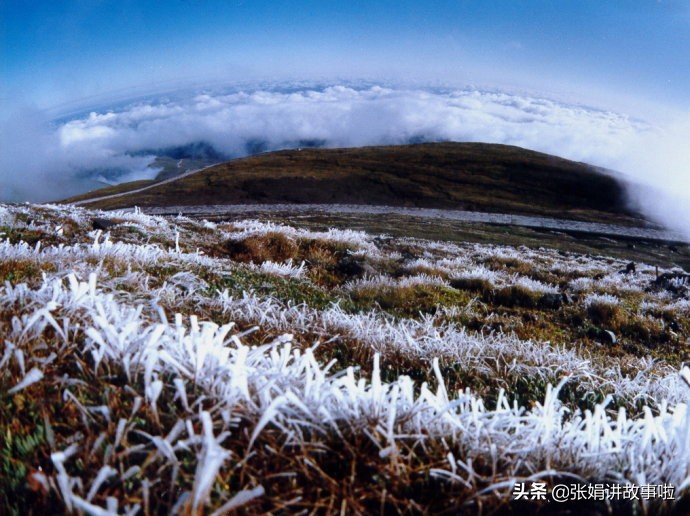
(31, 377)
(211, 459)
(240, 499)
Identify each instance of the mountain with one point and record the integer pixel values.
(465, 176)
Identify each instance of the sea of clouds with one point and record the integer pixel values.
(43, 161)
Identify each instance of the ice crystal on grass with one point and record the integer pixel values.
(481, 273)
(153, 378)
(358, 239)
(601, 299)
(386, 281)
(6, 217)
(281, 269)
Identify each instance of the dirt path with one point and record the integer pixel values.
(428, 213)
(154, 185)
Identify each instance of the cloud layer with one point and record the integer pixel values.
(352, 117)
(41, 162)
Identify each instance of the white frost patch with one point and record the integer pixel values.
(376, 282)
(601, 299)
(282, 386)
(287, 268)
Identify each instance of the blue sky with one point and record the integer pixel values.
(591, 51)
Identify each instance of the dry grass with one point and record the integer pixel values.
(511, 264)
(273, 247)
(501, 331)
(612, 316)
(329, 262)
(408, 301)
(480, 286)
(18, 271)
(516, 295)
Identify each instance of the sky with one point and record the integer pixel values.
(91, 88)
(59, 52)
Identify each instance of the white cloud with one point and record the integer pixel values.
(660, 163)
(43, 161)
(350, 117)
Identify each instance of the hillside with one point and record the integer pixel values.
(173, 365)
(463, 176)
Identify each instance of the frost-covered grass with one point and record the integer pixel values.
(174, 365)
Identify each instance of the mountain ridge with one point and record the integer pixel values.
(446, 175)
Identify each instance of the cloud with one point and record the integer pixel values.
(44, 160)
(38, 164)
(349, 117)
(659, 165)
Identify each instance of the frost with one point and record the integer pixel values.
(281, 269)
(31, 377)
(601, 299)
(98, 303)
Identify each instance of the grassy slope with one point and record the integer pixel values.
(470, 176)
(329, 471)
(651, 252)
(326, 470)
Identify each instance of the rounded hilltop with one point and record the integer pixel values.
(446, 175)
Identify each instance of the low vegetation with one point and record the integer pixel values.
(464, 176)
(174, 365)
